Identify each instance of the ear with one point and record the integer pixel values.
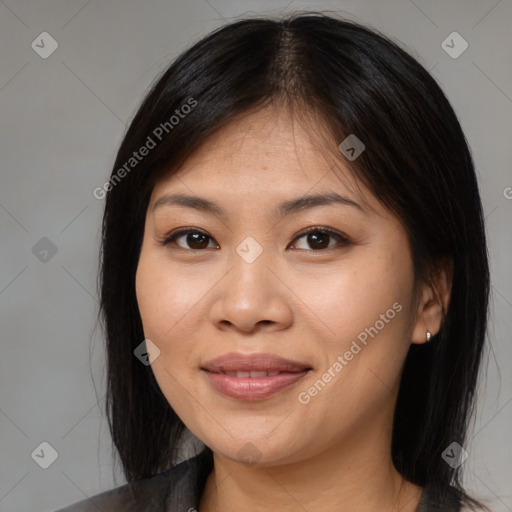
(433, 303)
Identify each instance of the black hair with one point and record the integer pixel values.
(417, 163)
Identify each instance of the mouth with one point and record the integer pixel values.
(253, 376)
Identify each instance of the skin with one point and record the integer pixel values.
(297, 300)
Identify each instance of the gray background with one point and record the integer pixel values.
(62, 119)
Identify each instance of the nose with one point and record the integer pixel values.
(253, 296)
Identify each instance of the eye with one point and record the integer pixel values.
(318, 238)
(196, 239)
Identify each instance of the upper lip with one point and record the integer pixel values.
(234, 361)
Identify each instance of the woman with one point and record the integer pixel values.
(294, 269)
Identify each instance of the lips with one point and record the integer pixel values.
(253, 376)
(256, 362)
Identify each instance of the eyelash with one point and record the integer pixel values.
(342, 239)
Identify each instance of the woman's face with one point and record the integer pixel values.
(249, 283)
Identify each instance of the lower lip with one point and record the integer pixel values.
(253, 388)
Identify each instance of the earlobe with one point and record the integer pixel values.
(428, 321)
(433, 305)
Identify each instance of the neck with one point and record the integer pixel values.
(355, 475)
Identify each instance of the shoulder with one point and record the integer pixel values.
(179, 485)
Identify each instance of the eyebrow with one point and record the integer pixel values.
(283, 209)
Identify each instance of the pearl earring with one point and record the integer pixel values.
(429, 336)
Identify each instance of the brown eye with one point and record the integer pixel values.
(319, 239)
(191, 238)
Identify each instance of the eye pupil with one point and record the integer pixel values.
(197, 239)
(315, 240)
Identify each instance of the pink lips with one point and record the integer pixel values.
(253, 376)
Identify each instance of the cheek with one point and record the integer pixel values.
(347, 301)
(364, 316)
(167, 296)
(166, 300)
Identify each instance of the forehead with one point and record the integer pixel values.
(264, 156)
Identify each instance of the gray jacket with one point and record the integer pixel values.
(178, 490)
